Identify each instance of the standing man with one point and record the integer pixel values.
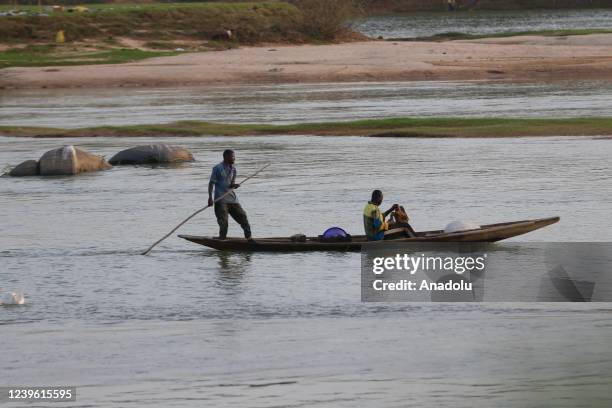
(373, 219)
(223, 180)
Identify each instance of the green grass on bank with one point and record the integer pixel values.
(136, 8)
(251, 22)
(47, 55)
(546, 33)
(122, 7)
(396, 127)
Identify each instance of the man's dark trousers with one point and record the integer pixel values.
(237, 213)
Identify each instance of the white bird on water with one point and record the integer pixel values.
(12, 298)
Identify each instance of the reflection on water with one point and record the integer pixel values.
(232, 267)
(304, 102)
(412, 25)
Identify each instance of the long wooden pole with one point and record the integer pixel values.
(202, 209)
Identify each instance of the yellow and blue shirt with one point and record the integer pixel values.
(374, 222)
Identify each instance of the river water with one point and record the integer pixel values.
(188, 326)
(412, 25)
(304, 102)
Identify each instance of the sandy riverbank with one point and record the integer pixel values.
(512, 58)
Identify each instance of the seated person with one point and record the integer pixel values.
(399, 219)
(373, 219)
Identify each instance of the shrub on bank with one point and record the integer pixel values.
(324, 19)
(250, 23)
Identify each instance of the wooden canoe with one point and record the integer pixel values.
(486, 233)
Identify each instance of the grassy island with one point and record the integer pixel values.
(394, 127)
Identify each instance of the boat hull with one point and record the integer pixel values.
(486, 233)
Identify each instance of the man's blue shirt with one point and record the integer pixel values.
(222, 176)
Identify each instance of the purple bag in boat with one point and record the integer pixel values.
(335, 234)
